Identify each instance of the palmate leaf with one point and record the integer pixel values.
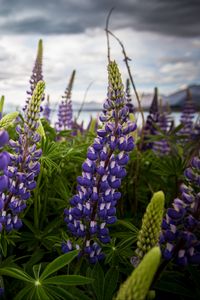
(8, 119)
(24, 293)
(16, 273)
(58, 264)
(60, 293)
(67, 280)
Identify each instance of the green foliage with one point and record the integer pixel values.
(41, 286)
(137, 285)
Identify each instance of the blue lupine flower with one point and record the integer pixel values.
(129, 98)
(180, 228)
(36, 74)
(93, 208)
(152, 119)
(187, 116)
(4, 161)
(65, 113)
(23, 166)
(164, 123)
(47, 111)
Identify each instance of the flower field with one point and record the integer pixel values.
(106, 211)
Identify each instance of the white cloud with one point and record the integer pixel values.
(86, 52)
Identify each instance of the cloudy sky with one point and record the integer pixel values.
(161, 37)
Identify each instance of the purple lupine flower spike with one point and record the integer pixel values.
(23, 165)
(164, 122)
(65, 113)
(47, 111)
(93, 208)
(152, 118)
(4, 161)
(36, 74)
(187, 116)
(129, 98)
(180, 229)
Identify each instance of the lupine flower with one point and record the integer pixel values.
(23, 166)
(180, 234)
(149, 233)
(187, 116)
(4, 161)
(92, 125)
(152, 118)
(47, 110)
(136, 287)
(164, 122)
(93, 208)
(77, 128)
(65, 113)
(36, 74)
(129, 98)
(196, 131)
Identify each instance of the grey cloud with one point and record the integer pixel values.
(176, 18)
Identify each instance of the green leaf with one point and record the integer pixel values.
(16, 273)
(3, 245)
(8, 119)
(41, 294)
(24, 292)
(40, 130)
(60, 293)
(128, 225)
(68, 280)
(98, 283)
(2, 104)
(110, 283)
(58, 263)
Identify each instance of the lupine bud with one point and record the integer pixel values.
(93, 207)
(149, 233)
(137, 285)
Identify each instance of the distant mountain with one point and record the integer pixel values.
(178, 98)
(175, 100)
(88, 106)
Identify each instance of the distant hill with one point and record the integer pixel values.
(177, 99)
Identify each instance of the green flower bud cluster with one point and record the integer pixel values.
(136, 287)
(33, 108)
(149, 234)
(116, 88)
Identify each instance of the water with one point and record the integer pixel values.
(86, 115)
